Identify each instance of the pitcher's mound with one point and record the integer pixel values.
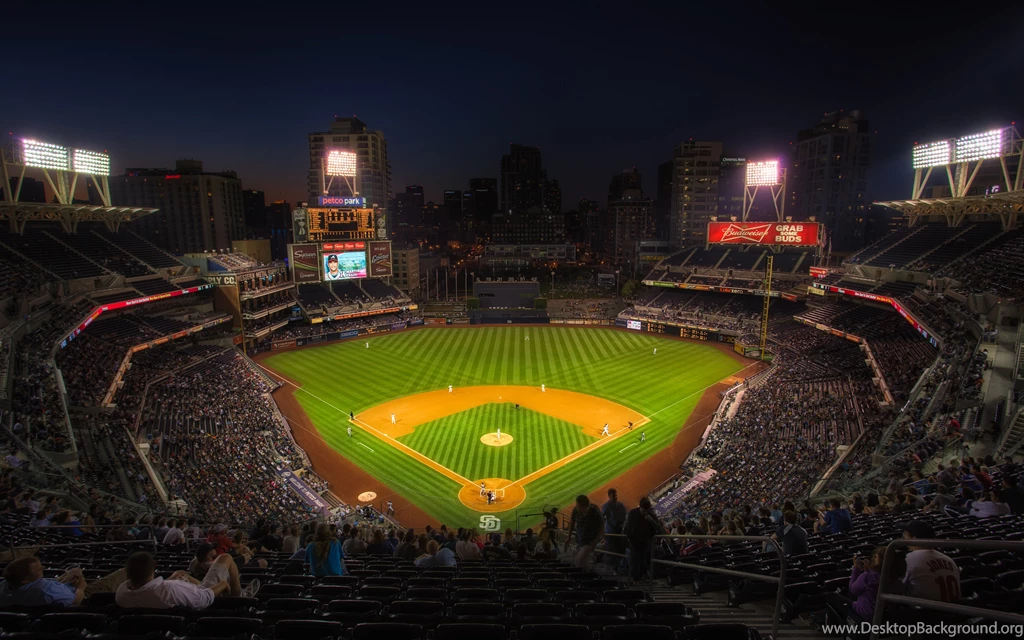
(492, 439)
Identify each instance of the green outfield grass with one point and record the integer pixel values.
(617, 365)
(537, 441)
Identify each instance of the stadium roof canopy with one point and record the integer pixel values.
(1006, 205)
(68, 215)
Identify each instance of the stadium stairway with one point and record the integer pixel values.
(714, 608)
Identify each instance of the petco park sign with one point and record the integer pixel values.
(794, 234)
(342, 201)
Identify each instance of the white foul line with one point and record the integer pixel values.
(627, 446)
(363, 445)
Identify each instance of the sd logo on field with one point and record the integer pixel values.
(490, 523)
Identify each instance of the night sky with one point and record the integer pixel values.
(598, 88)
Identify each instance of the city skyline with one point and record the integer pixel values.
(559, 93)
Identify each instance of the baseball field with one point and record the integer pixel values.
(549, 392)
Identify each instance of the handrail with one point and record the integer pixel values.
(781, 580)
(887, 561)
(54, 545)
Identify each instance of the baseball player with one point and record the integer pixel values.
(392, 418)
(499, 434)
(643, 436)
(483, 490)
(542, 390)
(367, 345)
(604, 432)
(350, 431)
(449, 388)
(630, 425)
(655, 351)
(391, 508)
(527, 338)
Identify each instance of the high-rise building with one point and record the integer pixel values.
(371, 148)
(198, 210)
(531, 227)
(552, 197)
(279, 218)
(695, 172)
(828, 177)
(254, 208)
(522, 180)
(628, 180)
(406, 266)
(406, 208)
(663, 201)
(732, 179)
(628, 219)
(485, 198)
(453, 202)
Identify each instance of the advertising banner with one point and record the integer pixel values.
(415, 321)
(380, 258)
(305, 263)
(791, 234)
(299, 486)
(348, 334)
(634, 324)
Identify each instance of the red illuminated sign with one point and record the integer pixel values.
(174, 176)
(344, 246)
(792, 234)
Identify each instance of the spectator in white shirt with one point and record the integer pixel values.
(931, 574)
(994, 506)
(143, 590)
(174, 535)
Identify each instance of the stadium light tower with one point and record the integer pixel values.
(59, 165)
(768, 173)
(957, 155)
(340, 163)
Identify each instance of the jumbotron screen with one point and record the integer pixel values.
(345, 265)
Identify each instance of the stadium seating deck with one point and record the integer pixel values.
(315, 295)
(192, 282)
(914, 246)
(880, 245)
(115, 297)
(379, 289)
(139, 248)
(102, 252)
(153, 286)
(49, 253)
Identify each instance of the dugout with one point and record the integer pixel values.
(506, 295)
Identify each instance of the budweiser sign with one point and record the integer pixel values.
(798, 234)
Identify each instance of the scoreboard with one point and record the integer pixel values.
(677, 330)
(340, 224)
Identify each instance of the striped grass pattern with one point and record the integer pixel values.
(537, 441)
(615, 364)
